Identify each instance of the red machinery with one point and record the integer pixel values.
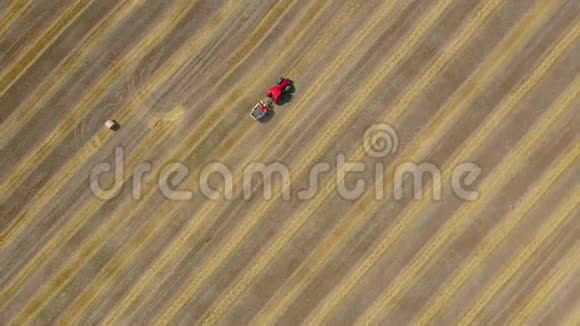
(261, 109)
(284, 86)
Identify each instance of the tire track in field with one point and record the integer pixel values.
(24, 113)
(183, 237)
(484, 130)
(73, 225)
(433, 132)
(542, 235)
(194, 138)
(193, 141)
(159, 227)
(37, 47)
(51, 141)
(56, 183)
(503, 230)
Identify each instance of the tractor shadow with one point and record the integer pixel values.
(286, 98)
(269, 116)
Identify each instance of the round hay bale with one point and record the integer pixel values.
(112, 125)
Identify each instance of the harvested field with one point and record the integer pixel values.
(424, 170)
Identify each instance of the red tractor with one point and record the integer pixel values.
(284, 86)
(260, 110)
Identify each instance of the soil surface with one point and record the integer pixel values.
(424, 170)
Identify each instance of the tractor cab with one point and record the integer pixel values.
(283, 86)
